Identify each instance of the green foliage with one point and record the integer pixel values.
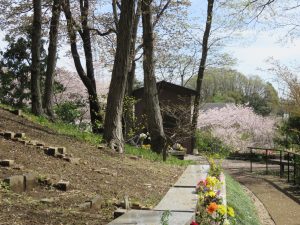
(289, 132)
(68, 111)
(164, 220)
(152, 156)
(245, 213)
(229, 86)
(15, 70)
(129, 121)
(4, 186)
(210, 145)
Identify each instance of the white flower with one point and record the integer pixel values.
(142, 135)
(226, 222)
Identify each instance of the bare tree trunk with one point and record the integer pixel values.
(88, 78)
(210, 4)
(128, 122)
(96, 117)
(113, 120)
(51, 60)
(154, 118)
(36, 100)
(131, 72)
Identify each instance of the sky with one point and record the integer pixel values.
(255, 46)
(251, 50)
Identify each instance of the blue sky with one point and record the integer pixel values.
(255, 46)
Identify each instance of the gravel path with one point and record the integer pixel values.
(279, 198)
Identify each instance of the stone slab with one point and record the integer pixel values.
(40, 144)
(16, 183)
(147, 217)
(30, 181)
(62, 150)
(192, 175)
(20, 135)
(51, 151)
(96, 202)
(179, 199)
(72, 160)
(7, 162)
(17, 112)
(9, 135)
(63, 185)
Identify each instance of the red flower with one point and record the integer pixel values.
(194, 223)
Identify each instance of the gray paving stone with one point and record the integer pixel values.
(179, 199)
(147, 217)
(192, 175)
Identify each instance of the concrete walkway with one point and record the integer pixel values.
(282, 200)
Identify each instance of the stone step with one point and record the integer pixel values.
(179, 200)
(148, 217)
(192, 175)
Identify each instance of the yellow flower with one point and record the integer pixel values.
(211, 181)
(222, 210)
(230, 211)
(211, 194)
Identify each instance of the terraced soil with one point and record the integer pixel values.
(101, 172)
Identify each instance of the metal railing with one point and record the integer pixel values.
(291, 160)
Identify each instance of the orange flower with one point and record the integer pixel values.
(212, 208)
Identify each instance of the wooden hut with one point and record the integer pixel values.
(176, 105)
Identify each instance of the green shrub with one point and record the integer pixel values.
(68, 112)
(210, 145)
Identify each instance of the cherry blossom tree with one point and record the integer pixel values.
(238, 126)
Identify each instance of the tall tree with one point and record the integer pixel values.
(113, 118)
(154, 118)
(131, 72)
(88, 77)
(210, 5)
(36, 99)
(51, 60)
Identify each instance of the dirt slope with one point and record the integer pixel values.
(100, 173)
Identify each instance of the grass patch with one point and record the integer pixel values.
(60, 127)
(66, 129)
(152, 156)
(242, 204)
